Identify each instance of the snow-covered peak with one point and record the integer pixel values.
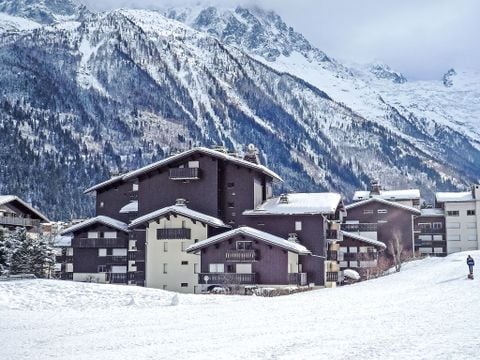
(44, 11)
(383, 71)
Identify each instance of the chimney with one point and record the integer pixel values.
(283, 199)
(375, 187)
(251, 154)
(476, 191)
(293, 237)
(181, 202)
(220, 148)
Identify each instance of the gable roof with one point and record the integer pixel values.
(406, 194)
(386, 202)
(5, 199)
(166, 161)
(180, 210)
(299, 203)
(101, 219)
(253, 233)
(364, 239)
(454, 196)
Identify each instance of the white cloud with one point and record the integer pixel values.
(422, 39)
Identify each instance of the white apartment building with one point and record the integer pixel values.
(461, 210)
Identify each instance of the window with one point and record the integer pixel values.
(165, 268)
(454, 237)
(382, 211)
(230, 185)
(216, 268)
(453, 213)
(472, 237)
(184, 284)
(424, 226)
(298, 226)
(244, 245)
(119, 269)
(437, 225)
(110, 234)
(102, 252)
(470, 212)
(102, 268)
(367, 211)
(165, 246)
(471, 225)
(193, 164)
(102, 204)
(184, 262)
(195, 268)
(244, 268)
(438, 237)
(134, 187)
(92, 234)
(231, 204)
(184, 246)
(425, 237)
(70, 252)
(119, 252)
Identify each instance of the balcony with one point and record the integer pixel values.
(112, 260)
(184, 174)
(18, 221)
(430, 231)
(99, 243)
(116, 278)
(332, 255)
(174, 233)
(299, 279)
(332, 235)
(227, 279)
(241, 255)
(332, 276)
(364, 227)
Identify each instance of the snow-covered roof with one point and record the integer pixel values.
(202, 150)
(131, 207)
(253, 233)
(104, 183)
(5, 199)
(432, 212)
(364, 239)
(386, 202)
(406, 194)
(105, 220)
(180, 210)
(63, 240)
(454, 196)
(299, 203)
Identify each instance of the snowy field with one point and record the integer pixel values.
(428, 311)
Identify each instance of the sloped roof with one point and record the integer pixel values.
(364, 239)
(253, 233)
(105, 220)
(62, 240)
(131, 207)
(5, 199)
(432, 212)
(386, 202)
(454, 196)
(164, 162)
(180, 210)
(406, 194)
(299, 203)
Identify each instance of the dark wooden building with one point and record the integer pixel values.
(14, 213)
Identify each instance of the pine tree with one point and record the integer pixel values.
(8, 245)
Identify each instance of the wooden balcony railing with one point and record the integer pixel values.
(241, 255)
(226, 279)
(364, 227)
(116, 259)
(430, 231)
(332, 276)
(18, 221)
(116, 278)
(174, 233)
(332, 234)
(96, 243)
(332, 255)
(297, 279)
(184, 173)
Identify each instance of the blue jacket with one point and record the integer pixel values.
(470, 261)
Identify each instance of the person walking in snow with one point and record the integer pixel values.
(470, 263)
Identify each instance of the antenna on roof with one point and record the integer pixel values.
(252, 154)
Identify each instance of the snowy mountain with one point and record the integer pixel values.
(48, 319)
(87, 94)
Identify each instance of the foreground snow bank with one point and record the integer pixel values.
(429, 310)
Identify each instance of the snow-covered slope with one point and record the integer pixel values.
(10, 23)
(427, 311)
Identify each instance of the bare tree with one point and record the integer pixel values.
(395, 248)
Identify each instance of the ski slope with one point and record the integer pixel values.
(427, 311)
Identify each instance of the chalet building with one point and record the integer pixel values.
(63, 257)
(408, 197)
(383, 220)
(248, 256)
(14, 213)
(314, 220)
(460, 211)
(360, 253)
(429, 231)
(168, 233)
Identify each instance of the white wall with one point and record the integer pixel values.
(156, 256)
(462, 230)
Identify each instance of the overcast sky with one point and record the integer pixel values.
(420, 38)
